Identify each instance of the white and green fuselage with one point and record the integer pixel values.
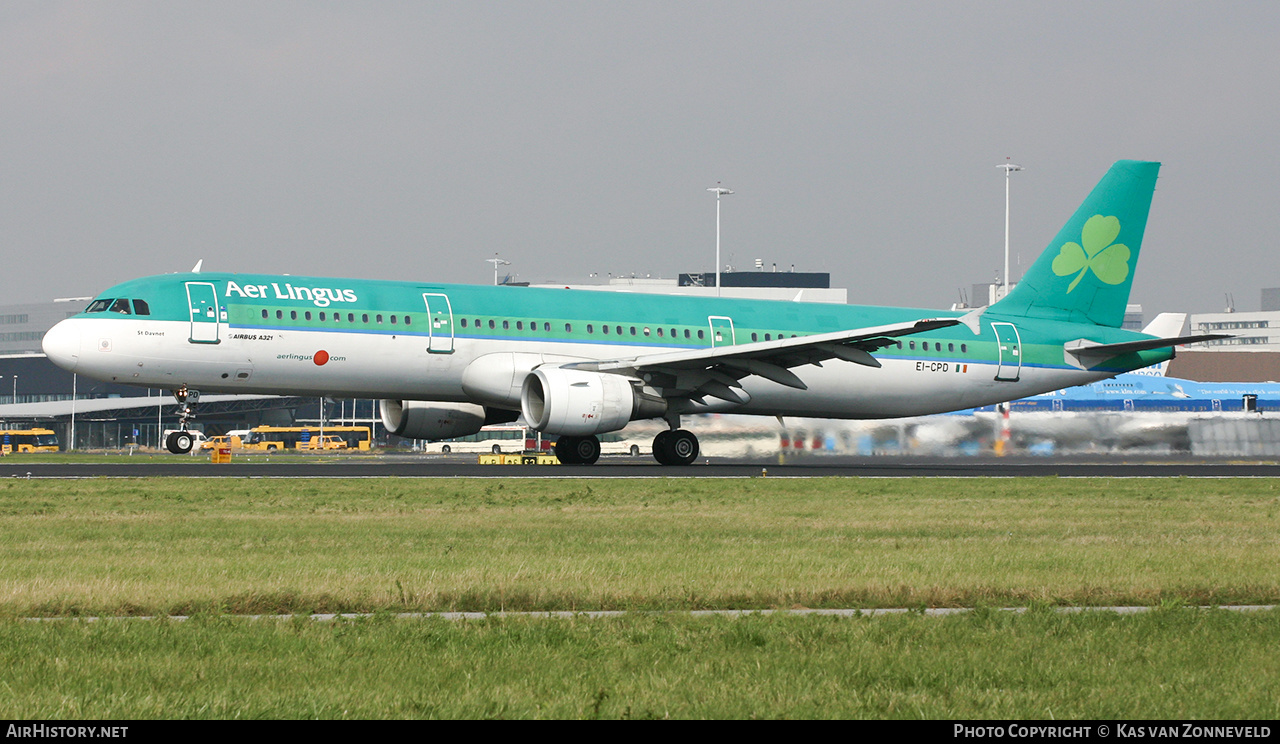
(256, 334)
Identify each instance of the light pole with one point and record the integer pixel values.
(496, 263)
(1008, 168)
(719, 191)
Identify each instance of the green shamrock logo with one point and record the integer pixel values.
(1109, 261)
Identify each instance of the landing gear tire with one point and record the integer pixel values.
(679, 447)
(179, 442)
(662, 448)
(577, 450)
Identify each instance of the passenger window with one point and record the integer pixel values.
(700, 333)
(321, 316)
(590, 328)
(279, 315)
(408, 319)
(393, 320)
(307, 315)
(351, 317)
(951, 347)
(568, 328)
(633, 330)
(365, 318)
(264, 313)
(140, 307)
(491, 325)
(605, 329)
(122, 307)
(547, 327)
(659, 333)
(912, 345)
(686, 333)
(964, 348)
(293, 315)
(619, 330)
(753, 336)
(506, 325)
(519, 325)
(767, 337)
(464, 322)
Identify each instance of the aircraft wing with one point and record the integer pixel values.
(699, 372)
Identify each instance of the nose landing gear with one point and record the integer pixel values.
(180, 442)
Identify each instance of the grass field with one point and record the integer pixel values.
(206, 547)
(1169, 664)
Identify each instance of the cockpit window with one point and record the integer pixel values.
(98, 306)
(140, 307)
(122, 307)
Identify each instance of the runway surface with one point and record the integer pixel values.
(465, 466)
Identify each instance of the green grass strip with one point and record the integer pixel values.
(1166, 664)
(177, 546)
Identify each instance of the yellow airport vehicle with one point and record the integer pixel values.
(327, 442)
(531, 458)
(28, 440)
(269, 438)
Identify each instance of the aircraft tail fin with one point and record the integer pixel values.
(1085, 274)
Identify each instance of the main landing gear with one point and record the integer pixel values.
(578, 450)
(674, 447)
(180, 442)
(677, 447)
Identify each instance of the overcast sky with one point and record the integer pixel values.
(414, 140)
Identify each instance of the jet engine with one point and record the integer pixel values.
(574, 402)
(418, 419)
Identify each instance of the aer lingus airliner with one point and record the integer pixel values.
(447, 359)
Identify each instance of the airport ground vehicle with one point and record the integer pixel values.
(326, 442)
(268, 438)
(28, 440)
(494, 439)
(511, 438)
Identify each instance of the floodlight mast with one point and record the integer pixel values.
(719, 191)
(496, 263)
(1008, 168)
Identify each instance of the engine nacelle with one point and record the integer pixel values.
(577, 402)
(420, 419)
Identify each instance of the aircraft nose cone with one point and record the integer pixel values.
(62, 345)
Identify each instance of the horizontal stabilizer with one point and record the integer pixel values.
(1166, 325)
(1085, 354)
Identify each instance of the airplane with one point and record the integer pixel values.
(1138, 393)
(445, 360)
